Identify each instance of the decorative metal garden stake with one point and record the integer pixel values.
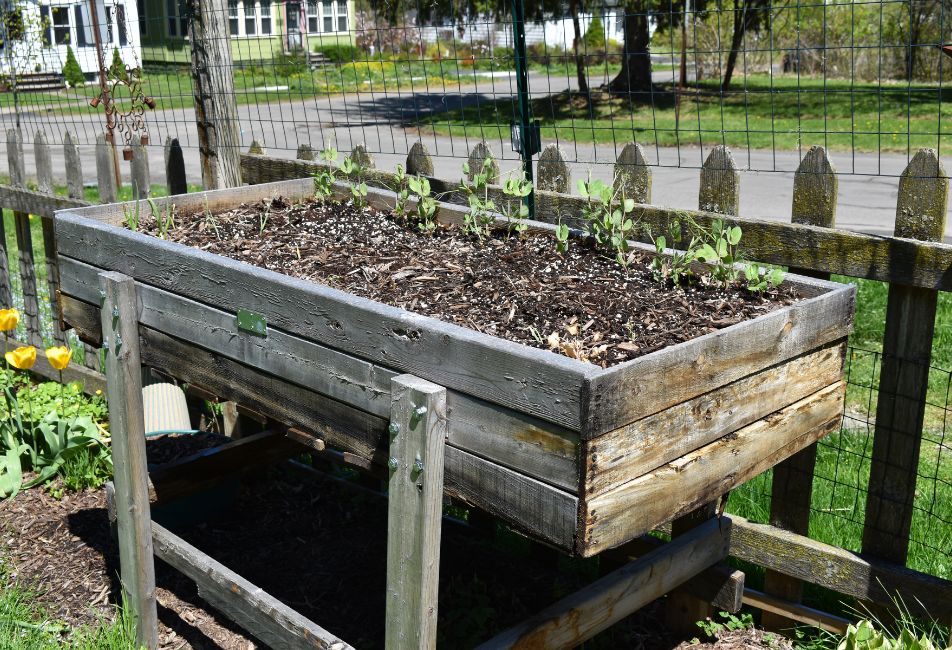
(128, 122)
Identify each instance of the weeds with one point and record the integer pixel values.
(132, 221)
(209, 219)
(264, 216)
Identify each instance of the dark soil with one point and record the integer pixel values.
(315, 547)
(582, 303)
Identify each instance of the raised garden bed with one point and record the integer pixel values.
(580, 456)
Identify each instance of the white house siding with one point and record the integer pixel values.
(555, 32)
(71, 25)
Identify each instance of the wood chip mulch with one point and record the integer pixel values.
(581, 303)
(315, 547)
(746, 639)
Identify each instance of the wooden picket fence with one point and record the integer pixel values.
(915, 263)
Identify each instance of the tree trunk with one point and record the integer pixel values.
(635, 75)
(579, 61)
(740, 28)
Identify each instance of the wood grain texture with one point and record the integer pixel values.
(52, 278)
(332, 421)
(795, 613)
(703, 475)
(80, 316)
(419, 161)
(534, 381)
(218, 465)
(31, 303)
(481, 159)
(529, 445)
(625, 393)
(141, 176)
(37, 203)
(632, 173)
(682, 611)
(525, 503)
(853, 574)
(415, 486)
(554, 173)
(603, 603)
(904, 375)
(720, 585)
(127, 426)
(74, 167)
(6, 291)
(263, 615)
(635, 449)
(216, 110)
(887, 259)
(720, 183)
(815, 193)
(44, 163)
(106, 170)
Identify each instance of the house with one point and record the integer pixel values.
(62, 23)
(259, 29)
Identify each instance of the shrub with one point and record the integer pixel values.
(71, 70)
(338, 52)
(595, 35)
(118, 67)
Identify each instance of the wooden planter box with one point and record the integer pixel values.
(577, 456)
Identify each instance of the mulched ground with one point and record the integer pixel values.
(581, 303)
(315, 547)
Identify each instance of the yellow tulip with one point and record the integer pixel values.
(8, 319)
(59, 357)
(22, 358)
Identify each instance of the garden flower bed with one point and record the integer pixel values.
(585, 443)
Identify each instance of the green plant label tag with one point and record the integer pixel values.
(252, 322)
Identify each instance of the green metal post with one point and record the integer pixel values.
(525, 111)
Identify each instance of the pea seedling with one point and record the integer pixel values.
(426, 205)
(720, 249)
(757, 283)
(402, 191)
(479, 221)
(678, 266)
(606, 216)
(358, 190)
(516, 188)
(324, 179)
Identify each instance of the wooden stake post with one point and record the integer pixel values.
(31, 305)
(904, 377)
(417, 431)
(815, 192)
(124, 391)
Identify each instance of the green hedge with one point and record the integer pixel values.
(338, 52)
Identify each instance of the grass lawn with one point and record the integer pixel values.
(780, 112)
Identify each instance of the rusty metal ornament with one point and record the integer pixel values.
(128, 85)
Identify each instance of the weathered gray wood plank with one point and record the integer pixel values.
(6, 291)
(527, 444)
(44, 163)
(904, 376)
(33, 202)
(815, 193)
(74, 168)
(887, 259)
(44, 181)
(605, 602)
(127, 426)
(795, 613)
(720, 585)
(175, 167)
(720, 183)
(335, 423)
(682, 611)
(525, 503)
(140, 175)
(31, 307)
(531, 380)
(106, 170)
(642, 446)
(417, 430)
(263, 615)
(632, 173)
(617, 396)
(853, 574)
(701, 476)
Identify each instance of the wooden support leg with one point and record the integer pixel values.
(126, 422)
(683, 611)
(789, 510)
(418, 430)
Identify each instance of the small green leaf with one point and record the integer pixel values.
(735, 234)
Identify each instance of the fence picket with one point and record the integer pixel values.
(175, 167)
(139, 170)
(419, 161)
(106, 170)
(633, 174)
(31, 306)
(482, 158)
(44, 181)
(554, 172)
(74, 168)
(362, 155)
(815, 192)
(305, 151)
(904, 374)
(720, 183)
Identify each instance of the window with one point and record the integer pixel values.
(233, 17)
(251, 21)
(83, 35)
(121, 24)
(265, 16)
(143, 20)
(173, 17)
(341, 16)
(328, 11)
(60, 22)
(313, 19)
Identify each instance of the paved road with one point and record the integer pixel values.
(868, 182)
